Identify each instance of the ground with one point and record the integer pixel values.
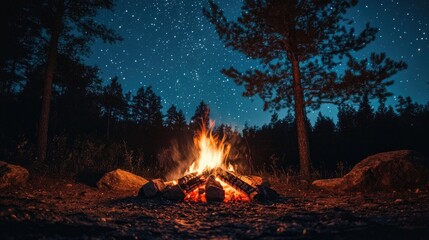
(51, 208)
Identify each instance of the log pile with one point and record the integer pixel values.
(207, 184)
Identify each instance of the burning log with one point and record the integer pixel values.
(151, 189)
(214, 191)
(186, 184)
(237, 183)
(191, 181)
(253, 180)
(173, 192)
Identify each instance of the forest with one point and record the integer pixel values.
(86, 155)
(95, 126)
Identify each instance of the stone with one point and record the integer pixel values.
(120, 180)
(11, 174)
(396, 170)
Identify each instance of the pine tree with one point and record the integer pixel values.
(175, 120)
(323, 139)
(298, 45)
(71, 28)
(19, 43)
(114, 105)
(201, 117)
(146, 108)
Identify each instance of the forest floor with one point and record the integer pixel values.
(47, 208)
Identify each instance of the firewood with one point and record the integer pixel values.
(266, 193)
(174, 193)
(253, 180)
(214, 191)
(152, 188)
(237, 183)
(170, 183)
(191, 181)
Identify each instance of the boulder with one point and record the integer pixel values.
(12, 174)
(120, 180)
(396, 170)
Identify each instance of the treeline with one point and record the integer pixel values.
(336, 147)
(98, 128)
(95, 127)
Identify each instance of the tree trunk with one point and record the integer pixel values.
(300, 117)
(42, 140)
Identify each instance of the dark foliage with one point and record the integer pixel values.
(299, 45)
(96, 128)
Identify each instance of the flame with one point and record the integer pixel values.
(212, 153)
(232, 195)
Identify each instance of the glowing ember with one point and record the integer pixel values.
(232, 195)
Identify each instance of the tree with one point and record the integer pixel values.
(201, 117)
(323, 138)
(364, 115)
(71, 27)
(114, 104)
(75, 105)
(19, 43)
(146, 108)
(175, 120)
(299, 44)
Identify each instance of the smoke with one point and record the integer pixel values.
(177, 158)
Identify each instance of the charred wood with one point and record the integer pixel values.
(253, 180)
(191, 181)
(152, 188)
(237, 183)
(266, 193)
(173, 192)
(214, 191)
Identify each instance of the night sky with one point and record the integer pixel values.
(170, 45)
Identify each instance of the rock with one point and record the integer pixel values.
(120, 180)
(396, 170)
(12, 174)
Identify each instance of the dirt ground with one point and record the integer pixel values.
(64, 209)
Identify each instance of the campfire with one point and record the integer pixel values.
(210, 178)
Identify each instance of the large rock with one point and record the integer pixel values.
(12, 174)
(396, 170)
(120, 180)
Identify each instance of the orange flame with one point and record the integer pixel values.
(212, 153)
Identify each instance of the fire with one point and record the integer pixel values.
(212, 154)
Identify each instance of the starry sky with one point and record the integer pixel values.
(170, 45)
